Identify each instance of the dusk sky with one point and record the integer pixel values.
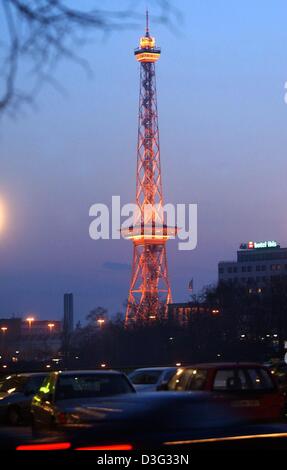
(223, 133)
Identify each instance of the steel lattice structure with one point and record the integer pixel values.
(150, 290)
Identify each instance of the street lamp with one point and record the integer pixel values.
(101, 322)
(4, 330)
(30, 320)
(51, 326)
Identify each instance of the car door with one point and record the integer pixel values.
(264, 392)
(235, 388)
(229, 387)
(32, 386)
(43, 404)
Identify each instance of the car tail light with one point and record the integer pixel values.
(52, 446)
(108, 447)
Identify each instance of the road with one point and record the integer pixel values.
(15, 434)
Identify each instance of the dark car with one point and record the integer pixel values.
(248, 387)
(165, 421)
(16, 393)
(70, 398)
(150, 379)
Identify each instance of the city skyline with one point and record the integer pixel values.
(226, 152)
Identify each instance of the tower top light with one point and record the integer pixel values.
(147, 52)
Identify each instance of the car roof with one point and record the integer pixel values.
(88, 372)
(144, 369)
(222, 365)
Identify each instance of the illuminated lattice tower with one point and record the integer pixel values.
(150, 290)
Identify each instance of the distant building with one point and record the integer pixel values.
(182, 312)
(258, 263)
(11, 327)
(40, 328)
(24, 340)
(68, 323)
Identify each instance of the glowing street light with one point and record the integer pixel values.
(101, 322)
(4, 330)
(30, 320)
(51, 326)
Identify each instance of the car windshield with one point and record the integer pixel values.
(148, 377)
(13, 384)
(91, 385)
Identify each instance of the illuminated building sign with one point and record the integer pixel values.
(258, 245)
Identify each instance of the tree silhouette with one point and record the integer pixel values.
(40, 33)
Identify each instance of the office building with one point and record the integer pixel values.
(258, 263)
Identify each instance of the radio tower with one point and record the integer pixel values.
(149, 291)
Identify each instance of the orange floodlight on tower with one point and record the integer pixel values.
(150, 290)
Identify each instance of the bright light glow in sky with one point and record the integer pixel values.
(3, 218)
(223, 133)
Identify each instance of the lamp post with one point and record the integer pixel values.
(101, 322)
(4, 330)
(30, 320)
(51, 326)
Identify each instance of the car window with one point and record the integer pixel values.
(145, 378)
(226, 379)
(90, 385)
(168, 374)
(242, 379)
(260, 379)
(198, 379)
(188, 379)
(13, 384)
(33, 383)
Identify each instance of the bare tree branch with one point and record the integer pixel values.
(43, 32)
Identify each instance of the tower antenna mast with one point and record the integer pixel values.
(150, 291)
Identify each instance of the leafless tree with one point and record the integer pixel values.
(36, 34)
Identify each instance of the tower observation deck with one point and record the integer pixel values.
(150, 290)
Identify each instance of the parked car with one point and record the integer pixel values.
(152, 378)
(70, 398)
(16, 392)
(163, 421)
(249, 387)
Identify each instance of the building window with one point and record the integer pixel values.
(258, 268)
(243, 279)
(243, 269)
(263, 268)
(249, 269)
(230, 270)
(235, 270)
(221, 270)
